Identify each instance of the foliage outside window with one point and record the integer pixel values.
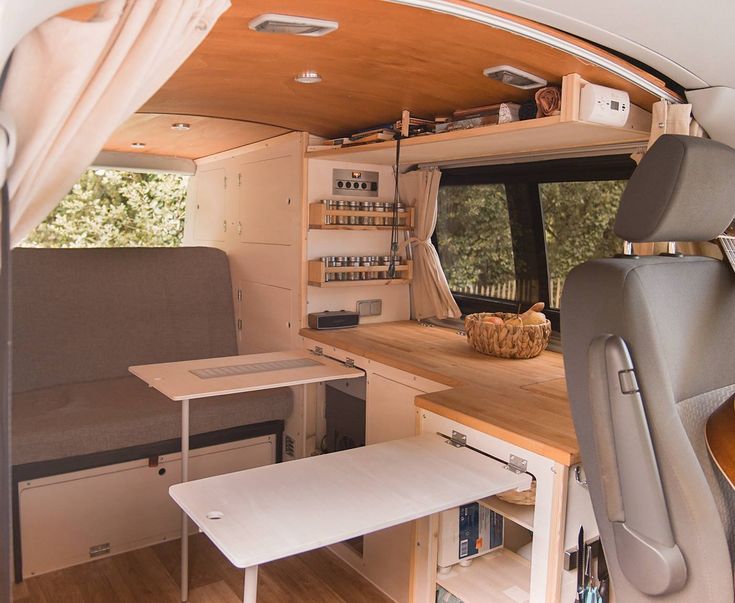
(578, 224)
(509, 235)
(473, 231)
(111, 208)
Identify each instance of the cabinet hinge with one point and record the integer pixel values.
(318, 350)
(99, 549)
(239, 295)
(349, 363)
(225, 181)
(239, 227)
(239, 180)
(458, 440)
(239, 324)
(516, 464)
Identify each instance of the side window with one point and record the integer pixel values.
(510, 235)
(578, 225)
(113, 208)
(474, 235)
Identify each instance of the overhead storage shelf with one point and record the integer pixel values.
(554, 134)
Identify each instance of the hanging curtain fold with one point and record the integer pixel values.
(430, 294)
(72, 83)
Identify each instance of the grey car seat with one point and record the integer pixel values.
(648, 354)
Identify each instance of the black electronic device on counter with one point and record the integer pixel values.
(341, 319)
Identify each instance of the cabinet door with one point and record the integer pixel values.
(270, 201)
(387, 554)
(266, 318)
(391, 413)
(209, 215)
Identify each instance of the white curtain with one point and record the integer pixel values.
(72, 83)
(668, 118)
(430, 295)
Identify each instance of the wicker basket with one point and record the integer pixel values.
(526, 497)
(506, 341)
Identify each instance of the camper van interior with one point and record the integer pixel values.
(422, 301)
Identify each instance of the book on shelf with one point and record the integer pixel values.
(416, 126)
(366, 137)
(462, 119)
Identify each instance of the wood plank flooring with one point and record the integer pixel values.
(151, 575)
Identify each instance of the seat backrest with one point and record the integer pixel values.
(88, 314)
(647, 353)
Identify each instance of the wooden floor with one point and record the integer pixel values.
(151, 575)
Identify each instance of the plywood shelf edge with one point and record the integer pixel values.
(489, 576)
(523, 515)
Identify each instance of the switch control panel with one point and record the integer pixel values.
(354, 182)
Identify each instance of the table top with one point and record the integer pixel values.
(207, 377)
(523, 402)
(271, 512)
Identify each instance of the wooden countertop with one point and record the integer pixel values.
(520, 401)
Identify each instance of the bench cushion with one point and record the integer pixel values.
(89, 314)
(81, 418)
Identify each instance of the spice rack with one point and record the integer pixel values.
(323, 217)
(319, 271)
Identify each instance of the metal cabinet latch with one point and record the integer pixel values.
(516, 464)
(349, 363)
(318, 350)
(578, 476)
(458, 440)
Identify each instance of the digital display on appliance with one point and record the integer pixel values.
(614, 105)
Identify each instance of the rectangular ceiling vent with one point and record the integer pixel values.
(514, 77)
(296, 26)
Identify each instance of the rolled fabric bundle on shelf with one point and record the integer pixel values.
(548, 101)
(528, 110)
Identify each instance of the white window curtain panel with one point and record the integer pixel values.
(430, 294)
(72, 83)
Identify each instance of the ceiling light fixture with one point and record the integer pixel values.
(308, 77)
(180, 126)
(137, 145)
(514, 77)
(297, 26)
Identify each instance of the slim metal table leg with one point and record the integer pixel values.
(184, 517)
(250, 591)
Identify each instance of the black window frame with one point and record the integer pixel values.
(521, 181)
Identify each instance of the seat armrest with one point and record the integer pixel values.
(631, 484)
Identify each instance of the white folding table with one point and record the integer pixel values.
(209, 377)
(267, 513)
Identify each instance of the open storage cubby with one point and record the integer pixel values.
(318, 272)
(500, 575)
(318, 212)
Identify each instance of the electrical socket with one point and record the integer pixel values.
(370, 307)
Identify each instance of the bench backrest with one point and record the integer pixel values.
(88, 314)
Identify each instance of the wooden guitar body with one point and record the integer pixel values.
(720, 435)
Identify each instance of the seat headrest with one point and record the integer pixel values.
(683, 190)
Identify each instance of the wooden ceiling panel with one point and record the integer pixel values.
(206, 136)
(383, 58)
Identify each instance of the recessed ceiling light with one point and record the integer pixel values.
(137, 145)
(297, 26)
(308, 77)
(514, 77)
(180, 126)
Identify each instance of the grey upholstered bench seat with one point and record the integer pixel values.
(76, 419)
